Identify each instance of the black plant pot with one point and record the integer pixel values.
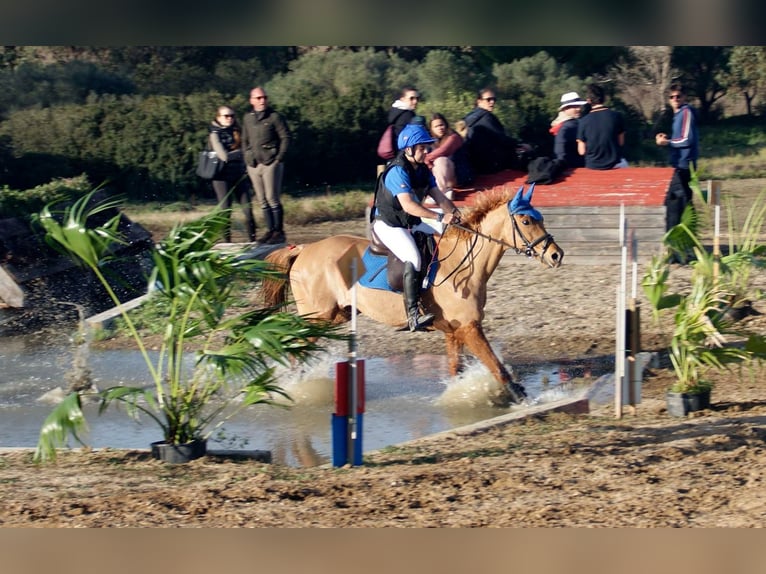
(681, 404)
(179, 453)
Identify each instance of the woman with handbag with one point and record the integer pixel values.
(231, 181)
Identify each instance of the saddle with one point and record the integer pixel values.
(426, 245)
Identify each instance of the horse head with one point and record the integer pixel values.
(528, 233)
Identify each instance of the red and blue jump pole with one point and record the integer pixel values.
(348, 418)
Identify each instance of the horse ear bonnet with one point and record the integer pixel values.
(521, 204)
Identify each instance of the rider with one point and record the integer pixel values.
(402, 187)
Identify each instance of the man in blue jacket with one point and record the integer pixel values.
(684, 150)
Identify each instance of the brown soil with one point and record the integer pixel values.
(644, 469)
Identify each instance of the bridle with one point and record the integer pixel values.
(529, 246)
(527, 250)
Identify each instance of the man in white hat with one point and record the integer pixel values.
(564, 130)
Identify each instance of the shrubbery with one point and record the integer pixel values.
(144, 144)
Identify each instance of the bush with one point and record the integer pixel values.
(15, 203)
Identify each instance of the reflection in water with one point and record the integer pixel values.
(406, 398)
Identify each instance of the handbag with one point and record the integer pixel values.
(386, 148)
(208, 164)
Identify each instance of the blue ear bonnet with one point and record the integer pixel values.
(521, 204)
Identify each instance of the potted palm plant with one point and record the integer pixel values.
(702, 320)
(235, 352)
(699, 343)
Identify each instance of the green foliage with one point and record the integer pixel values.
(234, 366)
(701, 319)
(66, 419)
(136, 116)
(23, 203)
(529, 92)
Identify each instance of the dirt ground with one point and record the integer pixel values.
(645, 469)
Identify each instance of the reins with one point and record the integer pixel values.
(529, 246)
(528, 249)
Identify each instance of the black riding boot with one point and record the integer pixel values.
(278, 235)
(411, 287)
(268, 218)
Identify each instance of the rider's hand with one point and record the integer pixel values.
(451, 218)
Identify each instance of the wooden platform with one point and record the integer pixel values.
(582, 210)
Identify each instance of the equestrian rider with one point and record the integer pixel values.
(402, 187)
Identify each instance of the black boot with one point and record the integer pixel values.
(411, 287)
(268, 218)
(278, 235)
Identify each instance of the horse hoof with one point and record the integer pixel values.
(512, 393)
(518, 392)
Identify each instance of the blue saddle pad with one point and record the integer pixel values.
(376, 272)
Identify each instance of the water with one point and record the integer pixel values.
(406, 398)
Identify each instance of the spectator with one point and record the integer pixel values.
(402, 111)
(447, 160)
(684, 150)
(265, 138)
(405, 183)
(601, 133)
(564, 130)
(489, 148)
(231, 182)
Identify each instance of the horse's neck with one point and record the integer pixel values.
(484, 255)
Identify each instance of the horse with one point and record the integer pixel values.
(467, 254)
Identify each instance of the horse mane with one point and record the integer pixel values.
(485, 202)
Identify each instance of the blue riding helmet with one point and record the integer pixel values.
(412, 135)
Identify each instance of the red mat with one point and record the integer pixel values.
(583, 187)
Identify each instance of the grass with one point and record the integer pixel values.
(733, 148)
(299, 208)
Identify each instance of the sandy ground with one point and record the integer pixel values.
(644, 469)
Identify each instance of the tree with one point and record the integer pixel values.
(704, 73)
(529, 92)
(747, 69)
(642, 76)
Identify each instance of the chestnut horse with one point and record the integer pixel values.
(467, 254)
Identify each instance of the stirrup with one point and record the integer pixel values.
(419, 322)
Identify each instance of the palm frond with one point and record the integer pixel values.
(64, 420)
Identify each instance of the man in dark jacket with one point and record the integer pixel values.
(684, 150)
(490, 149)
(264, 141)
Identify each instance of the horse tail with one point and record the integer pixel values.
(274, 287)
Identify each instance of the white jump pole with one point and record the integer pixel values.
(619, 356)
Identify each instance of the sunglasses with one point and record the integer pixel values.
(227, 115)
(490, 99)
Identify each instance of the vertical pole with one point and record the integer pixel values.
(714, 197)
(634, 375)
(619, 356)
(352, 374)
(347, 420)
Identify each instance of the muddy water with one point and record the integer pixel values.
(407, 397)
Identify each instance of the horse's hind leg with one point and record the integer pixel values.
(472, 335)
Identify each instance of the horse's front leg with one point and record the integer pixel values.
(454, 350)
(472, 335)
